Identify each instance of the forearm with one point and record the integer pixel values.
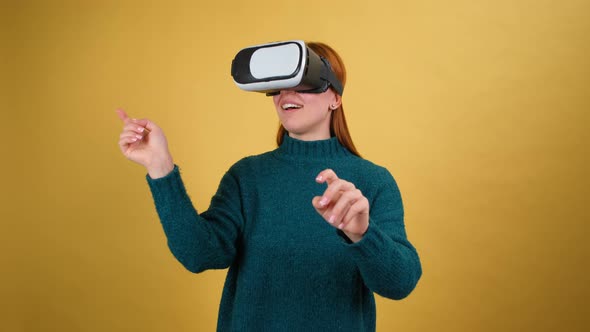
(190, 237)
(390, 268)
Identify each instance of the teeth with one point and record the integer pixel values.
(287, 106)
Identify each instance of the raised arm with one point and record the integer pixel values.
(199, 242)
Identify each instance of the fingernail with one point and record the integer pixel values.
(319, 178)
(140, 129)
(323, 201)
(138, 136)
(332, 219)
(341, 226)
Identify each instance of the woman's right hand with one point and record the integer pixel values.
(143, 142)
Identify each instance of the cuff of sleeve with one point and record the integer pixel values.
(370, 244)
(174, 170)
(344, 237)
(348, 240)
(369, 247)
(167, 189)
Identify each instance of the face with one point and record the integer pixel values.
(306, 116)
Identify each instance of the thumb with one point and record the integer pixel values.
(146, 123)
(150, 125)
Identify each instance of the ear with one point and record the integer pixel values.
(336, 101)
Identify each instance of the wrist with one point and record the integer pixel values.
(160, 169)
(356, 237)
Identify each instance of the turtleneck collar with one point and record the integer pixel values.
(321, 149)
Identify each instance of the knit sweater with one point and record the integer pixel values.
(290, 270)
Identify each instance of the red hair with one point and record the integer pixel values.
(338, 126)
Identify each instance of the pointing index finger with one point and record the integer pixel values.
(122, 115)
(326, 175)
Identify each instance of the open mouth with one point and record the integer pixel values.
(290, 107)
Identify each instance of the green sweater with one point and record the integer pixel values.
(289, 270)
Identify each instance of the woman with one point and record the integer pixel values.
(302, 254)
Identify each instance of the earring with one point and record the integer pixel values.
(332, 107)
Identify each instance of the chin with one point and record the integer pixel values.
(293, 129)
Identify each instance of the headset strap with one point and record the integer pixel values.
(328, 74)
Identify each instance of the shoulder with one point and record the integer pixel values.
(371, 178)
(369, 170)
(249, 164)
(371, 166)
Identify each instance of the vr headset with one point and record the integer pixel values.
(272, 67)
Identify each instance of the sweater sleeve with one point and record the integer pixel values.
(199, 241)
(387, 261)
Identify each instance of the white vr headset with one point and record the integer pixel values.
(270, 68)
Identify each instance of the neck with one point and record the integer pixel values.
(292, 147)
(310, 136)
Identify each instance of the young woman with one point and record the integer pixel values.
(309, 230)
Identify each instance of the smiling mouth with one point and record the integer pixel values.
(290, 107)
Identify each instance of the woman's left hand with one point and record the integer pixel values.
(342, 205)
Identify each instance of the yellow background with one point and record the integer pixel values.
(480, 109)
